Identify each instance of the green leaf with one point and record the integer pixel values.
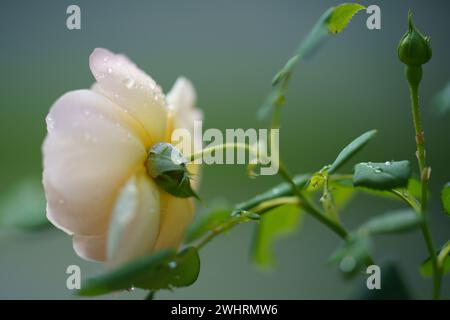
(445, 198)
(316, 182)
(352, 254)
(274, 224)
(186, 268)
(331, 21)
(414, 187)
(342, 194)
(392, 222)
(23, 206)
(413, 190)
(382, 176)
(426, 269)
(206, 223)
(351, 149)
(163, 270)
(342, 15)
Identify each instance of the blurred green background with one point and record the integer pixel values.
(230, 50)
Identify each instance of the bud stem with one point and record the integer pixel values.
(414, 75)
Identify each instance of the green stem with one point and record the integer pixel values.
(193, 156)
(242, 217)
(310, 207)
(414, 75)
(314, 211)
(408, 199)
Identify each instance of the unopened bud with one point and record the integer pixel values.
(414, 49)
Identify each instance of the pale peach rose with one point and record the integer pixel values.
(95, 178)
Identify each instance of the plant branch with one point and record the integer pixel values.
(414, 75)
(310, 207)
(221, 147)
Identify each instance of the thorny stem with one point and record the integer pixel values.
(414, 75)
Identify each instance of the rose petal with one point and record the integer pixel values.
(91, 248)
(182, 100)
(176, 215)
(124, 83)
(90, 151)
(135, 220)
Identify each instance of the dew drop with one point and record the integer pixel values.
(172, 264)
(387, 163)
(110, 70)
(50, 123)
(378, 170)
(130, 289)
(347, 264)
(129, 83)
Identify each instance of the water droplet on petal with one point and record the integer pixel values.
(129, 83)
(50, 123)
(110, 70)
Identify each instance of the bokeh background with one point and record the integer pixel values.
(230, 50)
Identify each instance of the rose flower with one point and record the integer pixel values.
(96, 183)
